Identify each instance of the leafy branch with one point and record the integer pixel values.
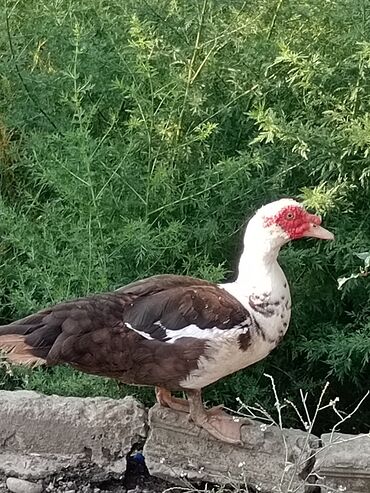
(364, 271)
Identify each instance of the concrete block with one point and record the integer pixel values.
(343, 463)
(269, 459)
(41, 434)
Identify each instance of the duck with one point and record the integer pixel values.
(176, 332)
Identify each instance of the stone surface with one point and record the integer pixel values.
(343, 463)
(176, 448)
(16, 485)
(40, 435)
(33, 465)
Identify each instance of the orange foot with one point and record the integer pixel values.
(218, 424)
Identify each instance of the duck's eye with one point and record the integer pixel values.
(290, 215)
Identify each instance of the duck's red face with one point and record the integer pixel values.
(298, 223)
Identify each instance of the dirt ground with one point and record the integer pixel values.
(87, 479)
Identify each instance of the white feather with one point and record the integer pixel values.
(142, 333)
(191, 330)
(222, 357)
(195, 331)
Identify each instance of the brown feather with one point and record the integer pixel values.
(17, 351)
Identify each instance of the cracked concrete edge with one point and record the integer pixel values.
(178, 450)
(42, 435)
(35, 466)
(343, 462)
(102, 431)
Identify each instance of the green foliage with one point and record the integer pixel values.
(364, 271)
(136, 137)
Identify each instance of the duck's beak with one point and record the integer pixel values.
(317, 231)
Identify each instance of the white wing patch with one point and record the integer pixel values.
(193, 330)
(140, 332)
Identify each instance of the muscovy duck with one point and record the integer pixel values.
(177, 333)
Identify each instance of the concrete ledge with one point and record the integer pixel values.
(344, 463)
(40, 435)
(176, 448)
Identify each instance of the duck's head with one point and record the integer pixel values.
(284, 220)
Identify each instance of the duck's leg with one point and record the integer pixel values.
(219, 425)
(165, 399)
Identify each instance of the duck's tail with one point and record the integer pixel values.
(28, 341)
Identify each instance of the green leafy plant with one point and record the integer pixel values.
(136, 137)
(364, 271)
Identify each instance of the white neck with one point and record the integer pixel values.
(258, 261)
(259, 258)
(261, 281)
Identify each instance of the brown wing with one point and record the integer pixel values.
(125, 334)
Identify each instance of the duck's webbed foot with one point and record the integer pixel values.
(218, 424)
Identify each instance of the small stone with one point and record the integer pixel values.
(17, 485)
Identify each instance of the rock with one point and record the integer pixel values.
(17, 485)
(41, 435)
(177, 449)
(343, 463)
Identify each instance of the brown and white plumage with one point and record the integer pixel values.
(176, 332)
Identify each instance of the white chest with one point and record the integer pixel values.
(222, 357)
(270, 308)
(268, 300)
